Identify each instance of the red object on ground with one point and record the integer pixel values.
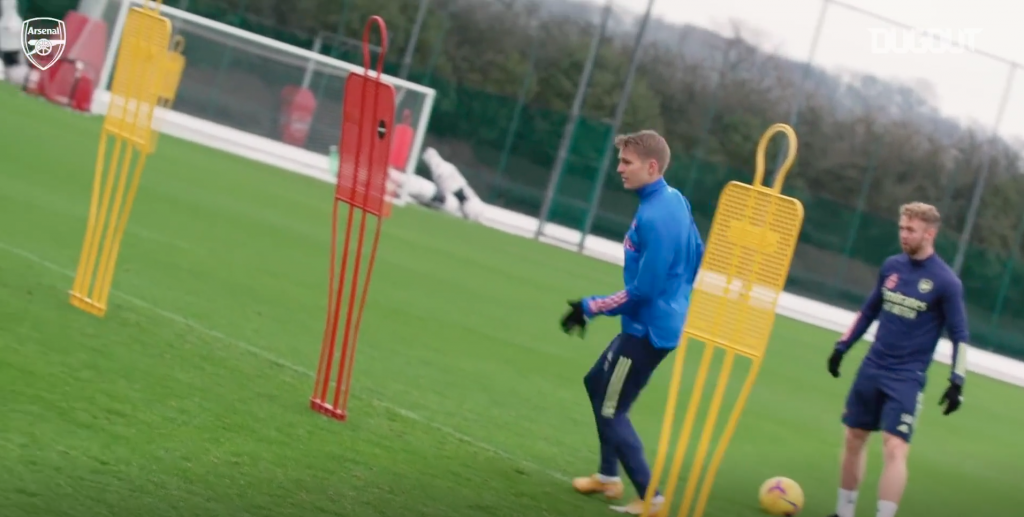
(401, 142)
(297, 110)
(86, 43)
(368, 113)
(81, 95)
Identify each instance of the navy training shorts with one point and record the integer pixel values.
(881, 400)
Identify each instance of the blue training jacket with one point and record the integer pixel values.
(663, 251)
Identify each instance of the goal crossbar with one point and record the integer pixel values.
(323, 63)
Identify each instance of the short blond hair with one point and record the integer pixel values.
(648, 145)
(923, 212)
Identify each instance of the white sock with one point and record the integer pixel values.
(607, 479)
(846, 506)
(886, 509)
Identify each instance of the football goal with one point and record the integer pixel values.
(264, 87)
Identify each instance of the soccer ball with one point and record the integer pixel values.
(781, 496)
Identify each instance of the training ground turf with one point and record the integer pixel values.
(190, 397)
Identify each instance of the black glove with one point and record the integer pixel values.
(952, 398)
(834, 361)
(575, 319)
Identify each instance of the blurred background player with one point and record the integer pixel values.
(12, 65)
(917, 296)
(663, 250)
(446, 190)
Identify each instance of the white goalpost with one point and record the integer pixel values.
(242, 81)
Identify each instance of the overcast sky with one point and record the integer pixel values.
(965, 85)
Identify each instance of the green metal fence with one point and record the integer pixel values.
(506, 147)
(505, 141)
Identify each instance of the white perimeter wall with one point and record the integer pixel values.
(314, 165)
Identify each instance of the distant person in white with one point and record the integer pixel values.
(449, 191)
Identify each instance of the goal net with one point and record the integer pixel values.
(270, 89)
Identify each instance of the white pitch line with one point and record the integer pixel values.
(298, 369)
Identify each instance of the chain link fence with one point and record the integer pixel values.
(506, 73)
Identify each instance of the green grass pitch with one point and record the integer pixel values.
(190, 397)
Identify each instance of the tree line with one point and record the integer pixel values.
(867, 144)
(707, 93)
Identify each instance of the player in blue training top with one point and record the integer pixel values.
(663, 250)
(917, 296)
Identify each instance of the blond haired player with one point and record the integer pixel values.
(917, 296)
(663, 250)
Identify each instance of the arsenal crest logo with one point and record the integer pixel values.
(43, 41)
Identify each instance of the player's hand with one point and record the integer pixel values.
(952, 398)
(834, 361)
(575, 319)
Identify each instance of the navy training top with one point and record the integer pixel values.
(914, 301)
